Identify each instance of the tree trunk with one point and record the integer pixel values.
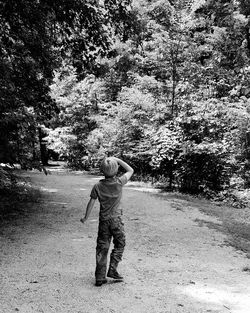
(43, 149)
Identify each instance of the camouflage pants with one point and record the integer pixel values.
(112, 228)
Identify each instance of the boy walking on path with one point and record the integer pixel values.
(109, 192)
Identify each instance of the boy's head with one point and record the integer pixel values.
(109, 167)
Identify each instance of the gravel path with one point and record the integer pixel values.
(171, 262)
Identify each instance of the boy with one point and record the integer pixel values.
(109, 193)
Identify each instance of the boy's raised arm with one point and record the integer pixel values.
(129, 170)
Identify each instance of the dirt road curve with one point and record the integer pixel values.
(171, 263)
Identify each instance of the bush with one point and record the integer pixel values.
(198, 173)
(201, 149)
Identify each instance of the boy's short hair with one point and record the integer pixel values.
(109, 167)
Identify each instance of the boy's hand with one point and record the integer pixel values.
(83, 220)
(128, 168)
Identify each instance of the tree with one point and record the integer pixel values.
(172, 96)
(35, 37)
(78, 102)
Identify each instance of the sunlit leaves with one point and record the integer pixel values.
(34, 38)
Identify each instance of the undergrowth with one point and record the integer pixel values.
(15, 193)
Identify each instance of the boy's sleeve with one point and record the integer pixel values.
(93, 193)
(123, 180)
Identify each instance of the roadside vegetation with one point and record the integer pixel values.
(162, 84)
(16, 192)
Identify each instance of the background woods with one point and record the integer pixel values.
(164, 84)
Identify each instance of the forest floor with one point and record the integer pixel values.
(183, 254)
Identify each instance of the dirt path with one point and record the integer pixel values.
(171, 264)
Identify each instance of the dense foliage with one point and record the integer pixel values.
(163, 84)
(35, 37)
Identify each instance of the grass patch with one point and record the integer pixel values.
(235, 223)
(14, 197)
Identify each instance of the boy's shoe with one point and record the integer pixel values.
(99, 283)
(112, 273)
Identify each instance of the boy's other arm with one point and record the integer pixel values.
(129, 170)
(88, 210)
